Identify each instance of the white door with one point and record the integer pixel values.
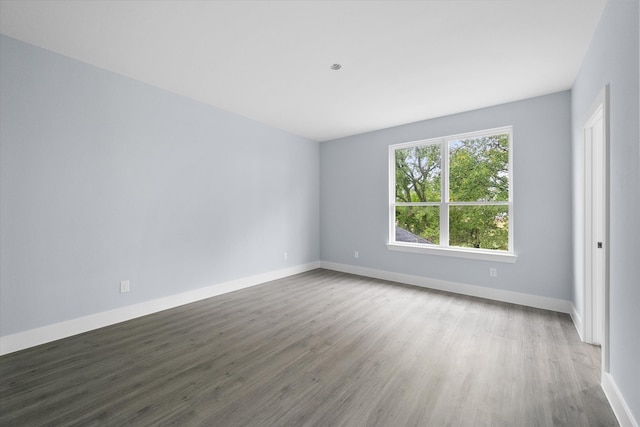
(596, 244)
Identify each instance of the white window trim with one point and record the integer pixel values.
(443, 249)
(496, 256)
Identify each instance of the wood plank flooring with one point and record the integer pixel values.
(317, 349)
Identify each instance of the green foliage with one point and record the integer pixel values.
(485, 227)
(479, 169)
(418, 174)
(423, 221)
(418, 180)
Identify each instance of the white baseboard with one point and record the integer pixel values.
(33, 337)
(553, 304)
(617, 402)
(577, 321)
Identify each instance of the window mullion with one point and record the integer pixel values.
(498, 203)
(444, 202)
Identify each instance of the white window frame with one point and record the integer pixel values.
(443, 248)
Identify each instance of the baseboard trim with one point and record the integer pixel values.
(577, 321)
(45, 334)
(546, 303)
(617, 402)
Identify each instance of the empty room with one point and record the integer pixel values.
(319, 213)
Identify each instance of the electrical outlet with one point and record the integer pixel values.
(124, 286)
(356, 254)
(285, 256)
(493, 272)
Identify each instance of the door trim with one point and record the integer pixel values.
(600, 106)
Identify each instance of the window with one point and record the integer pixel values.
(453, 195)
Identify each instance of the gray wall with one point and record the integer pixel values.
(354, 199)
(104, 178)
(613, 59)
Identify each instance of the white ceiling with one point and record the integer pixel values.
(402, 61)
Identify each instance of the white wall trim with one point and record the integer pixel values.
(577, 321)
(618, 404)
(546, 303)
(56, 331)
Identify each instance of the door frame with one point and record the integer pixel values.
(596, 298)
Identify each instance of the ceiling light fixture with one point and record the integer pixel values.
(336, 67)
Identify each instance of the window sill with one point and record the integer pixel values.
(453, 252)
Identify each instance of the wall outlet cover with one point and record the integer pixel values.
(124, 286)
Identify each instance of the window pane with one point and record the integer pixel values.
(479, 169)
(484, 227)
(418, 224)
(418, 174)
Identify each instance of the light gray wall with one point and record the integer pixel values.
(104, 178)
(613, 59)
(354, 199)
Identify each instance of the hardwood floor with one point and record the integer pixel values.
(317, 349)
